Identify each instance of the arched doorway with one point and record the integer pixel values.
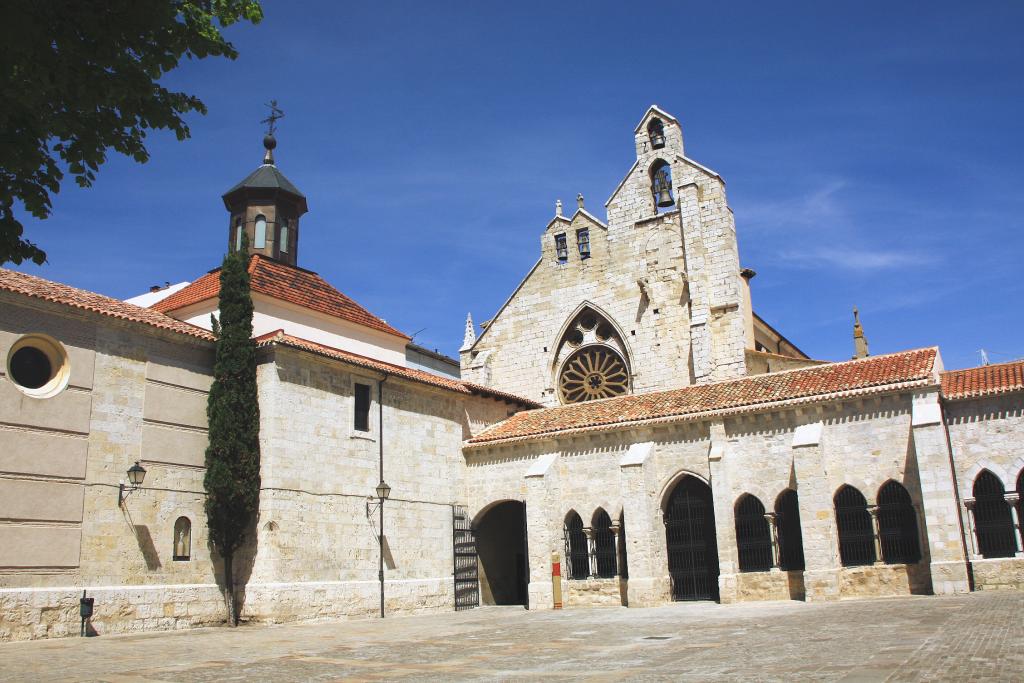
(501, 548)
(690, 539)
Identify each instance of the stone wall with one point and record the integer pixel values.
(668, 280)
(594, 593)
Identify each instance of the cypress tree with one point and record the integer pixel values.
(232, 478)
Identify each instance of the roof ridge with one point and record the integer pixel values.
(1019, 361)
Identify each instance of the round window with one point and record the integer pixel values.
(38, 366)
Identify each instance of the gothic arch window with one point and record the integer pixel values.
(182, 539)
(604, 544)
(753, 536)
(656, 133)
(661, 184)
(260, 240)
(623, 558)
(591, 359)
(897, 525)
(791, 542)
(992, 519)
(856, 530)
(577, 556)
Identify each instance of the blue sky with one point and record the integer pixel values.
(873, 155)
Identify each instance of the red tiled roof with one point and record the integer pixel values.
(987, 380)
(449, 383)
(38, 288)
(286, 283)
(866, 375)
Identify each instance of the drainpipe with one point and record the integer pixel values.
(380, 471)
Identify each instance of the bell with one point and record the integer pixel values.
(657, 140)
(662, 192)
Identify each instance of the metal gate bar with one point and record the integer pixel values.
(467, 583)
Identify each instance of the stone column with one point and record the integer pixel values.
(543, 527)
(773, 529)
(817, 516)
(975, 546)
(648, 575)
(938, 491)
(591, 551)
(876, 532)
(1013, 500)
(615, 538)
(725, 525)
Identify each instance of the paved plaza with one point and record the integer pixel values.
(977, 637)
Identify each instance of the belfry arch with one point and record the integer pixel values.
(591, 359)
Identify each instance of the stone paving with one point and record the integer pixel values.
(977, 636)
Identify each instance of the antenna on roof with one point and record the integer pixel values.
(984, 357)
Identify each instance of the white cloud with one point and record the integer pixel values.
(854, 258)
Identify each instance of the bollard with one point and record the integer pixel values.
(85, 611)
(556, 581)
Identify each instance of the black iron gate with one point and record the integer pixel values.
(467, 584)
(690, 537)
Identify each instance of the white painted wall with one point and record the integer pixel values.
(271, 314)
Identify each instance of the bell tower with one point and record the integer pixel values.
(267, 206)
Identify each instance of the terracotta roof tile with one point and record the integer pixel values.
(449, 383)
(850, 378)
(38, 288)
(287, 283)
(987, 380)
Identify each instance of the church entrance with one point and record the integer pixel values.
(501, 547)
(690, 538)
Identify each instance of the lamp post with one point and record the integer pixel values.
(136, 475)
(382, 491)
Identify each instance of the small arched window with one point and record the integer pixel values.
(753, 536)
(897, 525)
(656, 133)
(182, 539)
(791, 542)
(260, 241)
(992, 519)
(238, 234)
(856, 530)
(661, 184)
(282, 236)
(604, 544)
(577, 555)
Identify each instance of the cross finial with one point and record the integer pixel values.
(558, 207)
(275, 114)
(579, 200)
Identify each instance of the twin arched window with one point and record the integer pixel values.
(897, 526)
(604, 545)
(599, 555)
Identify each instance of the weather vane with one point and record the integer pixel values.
(275, 114)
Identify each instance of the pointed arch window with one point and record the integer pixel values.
(577, 556)
(753, 535)
(591, 359)
(897, 525)
(661, 184)
(604, 544)
(992, 518)
(182, 539)
(856, 530)
(260, 240)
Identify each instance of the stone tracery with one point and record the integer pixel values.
(591, 360)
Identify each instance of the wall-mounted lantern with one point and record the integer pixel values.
(136, 475)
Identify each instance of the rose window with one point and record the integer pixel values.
(590, 361)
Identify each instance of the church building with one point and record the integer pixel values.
(624, 431)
